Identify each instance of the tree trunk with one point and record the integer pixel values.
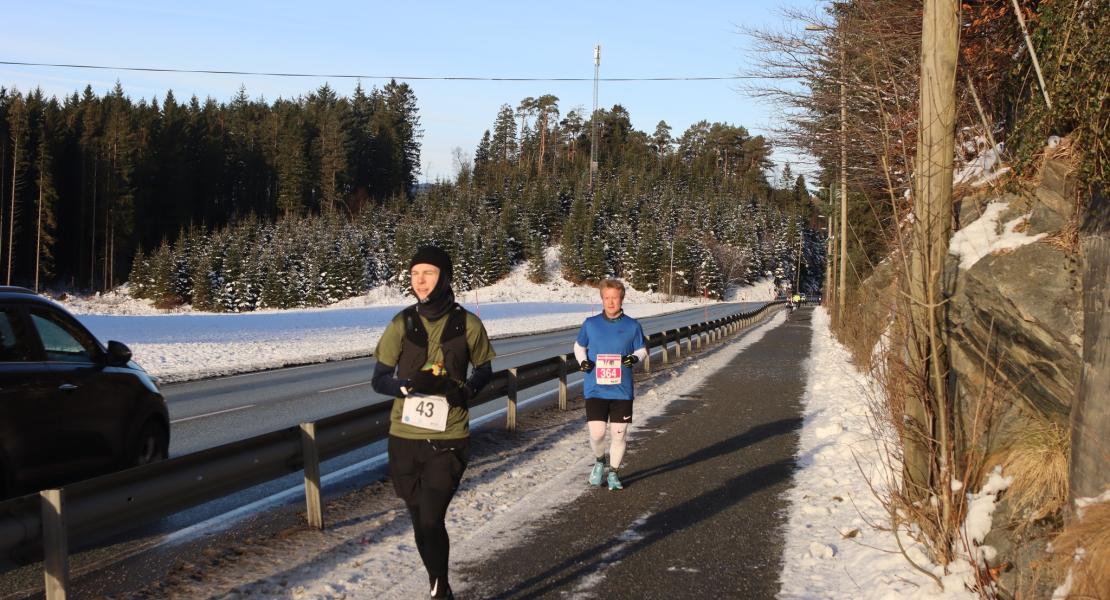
(1090, 415)
(927, 443)
(543, 139)
(3, 169)
(38, 228)
(11, 213)
(92, 236)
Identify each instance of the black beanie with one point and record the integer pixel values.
(432, 255)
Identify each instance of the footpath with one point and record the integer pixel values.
(703, 508)
(710, 459)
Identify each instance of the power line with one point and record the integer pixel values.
(350, 76)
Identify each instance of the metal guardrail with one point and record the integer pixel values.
(98, 508)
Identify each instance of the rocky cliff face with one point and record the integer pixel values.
(1016, 342)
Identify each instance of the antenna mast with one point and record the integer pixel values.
(593, 119)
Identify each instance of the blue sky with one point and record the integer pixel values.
(481, 39)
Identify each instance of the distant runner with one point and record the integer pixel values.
(608, 345)
(430, 345)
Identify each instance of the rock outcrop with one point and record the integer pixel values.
(1016, 343)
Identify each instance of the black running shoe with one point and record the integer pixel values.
(441, 589)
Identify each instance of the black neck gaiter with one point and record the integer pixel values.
(438, 302)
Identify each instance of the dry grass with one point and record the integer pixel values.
(1083, 547)
(1067, 239)
(1038, 462)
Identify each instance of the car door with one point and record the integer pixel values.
(27, 409)
(91, 413)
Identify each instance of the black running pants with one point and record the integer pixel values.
(426, 474)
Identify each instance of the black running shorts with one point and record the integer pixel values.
(613, 411)
(418, 467)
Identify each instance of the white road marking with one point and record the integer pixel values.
(343, 387)
(211, 414)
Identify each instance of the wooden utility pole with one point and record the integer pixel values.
(928, 441)
(843, 182)
(593, 121)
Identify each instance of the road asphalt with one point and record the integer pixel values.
(703, 508)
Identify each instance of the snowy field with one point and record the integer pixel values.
(184, 345)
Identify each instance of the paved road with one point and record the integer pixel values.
(703, 508)
(217, 411)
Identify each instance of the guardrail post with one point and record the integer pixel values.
(647, 359)
(664, 349)
(55, 548)
(678, 344)
(510, 412)
(311, 458)
(562, 382)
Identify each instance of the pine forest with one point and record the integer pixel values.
(248, 204)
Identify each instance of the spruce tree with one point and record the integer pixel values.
(537, 269)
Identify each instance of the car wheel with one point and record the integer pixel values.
(150, 445)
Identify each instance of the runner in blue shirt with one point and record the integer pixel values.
(608, 345)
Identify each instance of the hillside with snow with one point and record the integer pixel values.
(182, 344)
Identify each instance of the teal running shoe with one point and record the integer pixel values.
(597, 473)
(614, 481)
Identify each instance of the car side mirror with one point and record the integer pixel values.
(118, 353)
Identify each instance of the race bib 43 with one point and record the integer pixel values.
(428, 412)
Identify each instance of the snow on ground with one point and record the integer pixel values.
(184, 344)
(367, 550)
(985, 236)
(838, 543)
(984, 168)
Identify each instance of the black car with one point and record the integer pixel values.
(70, 408)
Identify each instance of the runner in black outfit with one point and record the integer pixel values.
(423, 357)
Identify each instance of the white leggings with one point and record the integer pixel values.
(617, 432)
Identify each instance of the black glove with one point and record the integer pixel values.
(630, 360)
(459, 395)
(426, 383)
(586, 366)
